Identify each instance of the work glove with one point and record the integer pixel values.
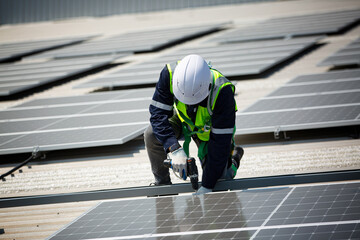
(178, 162)
(202, 190)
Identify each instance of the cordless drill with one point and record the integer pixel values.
(192, 171)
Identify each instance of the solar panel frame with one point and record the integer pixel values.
(294, 26)
(82, 137)
(13, 51)
(303, 101)
(294, 120)
(19, 77)
(98, 97)
(307, 102)
(97, 119)
(240, 59)
(321, 210)
(348, 55)
(133, 42)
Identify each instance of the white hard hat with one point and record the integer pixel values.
(191, 80)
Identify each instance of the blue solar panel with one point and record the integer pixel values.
(326, 211)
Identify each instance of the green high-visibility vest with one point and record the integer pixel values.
(202, 125)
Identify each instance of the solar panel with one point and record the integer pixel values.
(307, 102)
(142, 41)
(232, 60)
(97, 119)
(288, 27)
(13, 51)
(349, 55)
(328, 76)
(18, 77)
(327, 211)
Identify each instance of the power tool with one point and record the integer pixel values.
(192, 171)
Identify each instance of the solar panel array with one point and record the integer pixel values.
(21, 76)
(97, 119)
(232, 60)
(288, 27)
(309, 101)
(328, 211)
(349, 55)
(11, 51)
(143, 41)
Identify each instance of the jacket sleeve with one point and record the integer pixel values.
(219, 146)
(161, 109)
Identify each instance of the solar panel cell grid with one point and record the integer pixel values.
(317, 87)
(71, 138)
(232, 60)
(23, 76)
(96, 119)
(11, 51)
(332, 22)
(306, 102)
(132, 42)
(349, 55)
(269, 104)
(305, 212)
(90, 98)
(336, 75)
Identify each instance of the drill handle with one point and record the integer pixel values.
(167, 163)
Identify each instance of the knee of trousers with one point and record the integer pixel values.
(149, 137)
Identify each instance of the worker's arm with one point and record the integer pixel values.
(161, 109)
(219, 146)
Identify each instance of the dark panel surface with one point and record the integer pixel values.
(328, 76)
(12, 51)
(15, 78)
(317, 87)
(231, 60)
(90, 98)
(349, 55)
(288, 27)
(75, 121)
(143, 41)
(325, 211)
(269, 104)
(72, 138)
(310, 101)
(297, 119)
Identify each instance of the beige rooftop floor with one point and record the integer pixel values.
(127, 165)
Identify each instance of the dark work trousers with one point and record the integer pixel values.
(157, 154)
(156, 151)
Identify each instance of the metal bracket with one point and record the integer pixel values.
(235, 184)
(277, 133)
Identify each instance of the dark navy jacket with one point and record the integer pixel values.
(219, 145)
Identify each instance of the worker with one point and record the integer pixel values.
(192, 101)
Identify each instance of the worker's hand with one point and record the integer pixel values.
(178, 162)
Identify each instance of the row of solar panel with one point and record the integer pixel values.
(21, 76)
(326, 211)
(309, 101)
(98, 119)
(288, 27)
(85, 122)
(248, 59)
(233, 60)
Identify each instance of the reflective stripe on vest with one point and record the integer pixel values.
(202, 125)
(161, 105)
